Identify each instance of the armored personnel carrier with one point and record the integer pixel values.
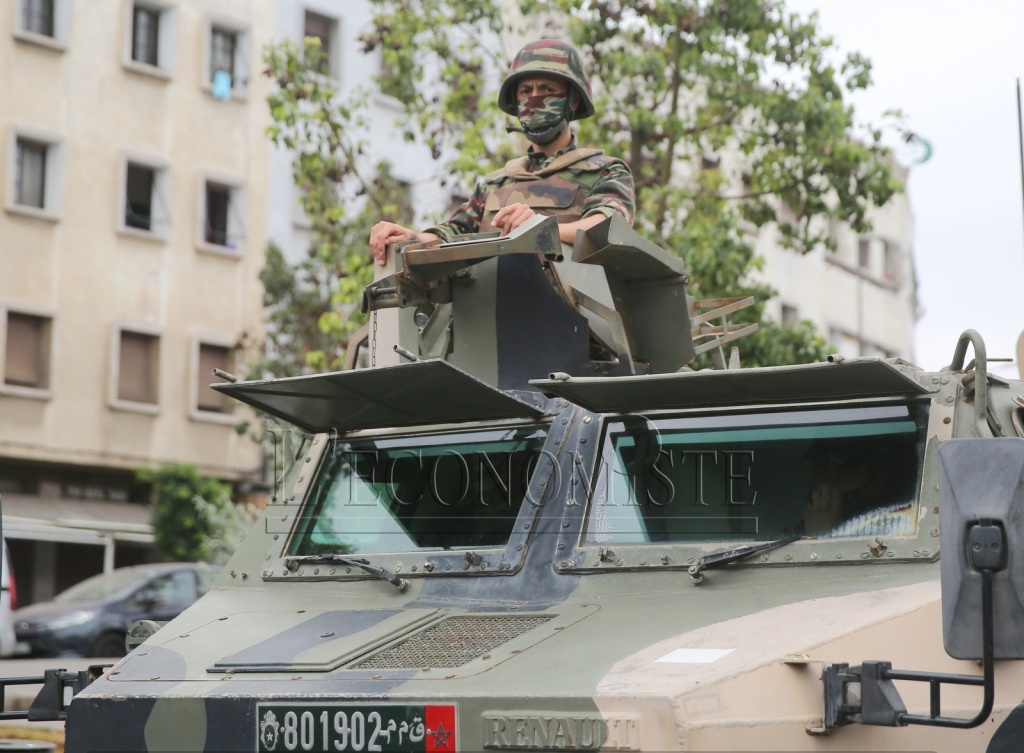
(463, 559)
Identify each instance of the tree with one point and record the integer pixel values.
(733, 115)
(312, 307)
(194, 518)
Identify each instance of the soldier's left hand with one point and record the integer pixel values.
(512, 216)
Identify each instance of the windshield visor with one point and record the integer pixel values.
(822, 473)
(417, 493)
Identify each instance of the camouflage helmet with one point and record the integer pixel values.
(548, 57)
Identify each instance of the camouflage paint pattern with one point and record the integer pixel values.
(548, 57)
(624, 653)
(602, 185)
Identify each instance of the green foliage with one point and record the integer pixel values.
(294, 299)
(194, 518)
(733, 115)
(311, 307)
(441, 64)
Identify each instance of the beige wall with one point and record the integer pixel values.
(848, 302)
(75, 261)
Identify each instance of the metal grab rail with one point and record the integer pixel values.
(980, 379)
(876, 700)
(52, 701)
(935, 680)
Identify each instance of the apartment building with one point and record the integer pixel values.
(863, 296)
(133, 176)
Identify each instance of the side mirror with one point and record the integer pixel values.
(981, 493)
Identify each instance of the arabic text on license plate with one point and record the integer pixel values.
(341, 728)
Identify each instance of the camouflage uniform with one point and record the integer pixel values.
(584, 182)
(571, 184)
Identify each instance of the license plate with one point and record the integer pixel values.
(340, 728)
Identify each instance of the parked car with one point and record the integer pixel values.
(8, 602)
(92, 617)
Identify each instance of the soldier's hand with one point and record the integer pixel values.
(384, 233)
(512, 216)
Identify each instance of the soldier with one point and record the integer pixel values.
(546, 88)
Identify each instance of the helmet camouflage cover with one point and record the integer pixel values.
(548, 57)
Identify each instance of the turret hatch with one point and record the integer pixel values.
(867, 378)
(411, 394)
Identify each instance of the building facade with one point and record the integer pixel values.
(134, 184)
(862, 297)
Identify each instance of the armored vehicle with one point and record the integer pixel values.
(728, 559)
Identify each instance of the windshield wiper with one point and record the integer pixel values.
(292, 563)
(718, 559)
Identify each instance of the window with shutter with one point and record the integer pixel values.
(137, 368)
(27, 353)
(212, 357)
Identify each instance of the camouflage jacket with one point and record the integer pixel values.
(571, 184)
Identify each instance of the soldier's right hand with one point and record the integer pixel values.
(384, 233)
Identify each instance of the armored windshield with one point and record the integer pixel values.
(821, 473)
(400, 494)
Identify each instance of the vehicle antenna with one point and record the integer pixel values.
(1020, 143)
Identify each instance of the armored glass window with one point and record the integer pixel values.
(145, 35)
(37, 16)
(30, 173)
(823, 473)
(451, 491)
(27, 352)
(137, 367)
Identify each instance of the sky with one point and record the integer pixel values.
(952, 68)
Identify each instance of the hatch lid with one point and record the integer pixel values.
(407, 394)
(815, 382)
